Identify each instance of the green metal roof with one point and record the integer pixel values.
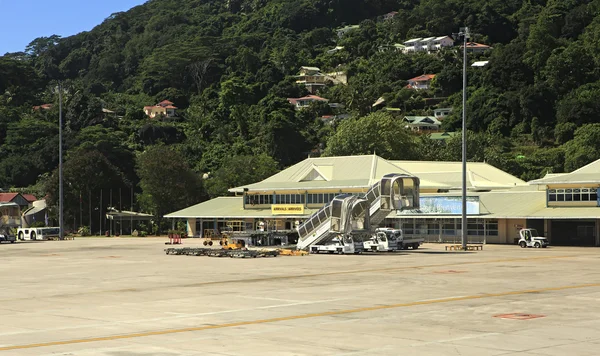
(229, 208)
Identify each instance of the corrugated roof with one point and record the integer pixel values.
(29, 197)
(421, 78)
(342, 172)
(7, 197)
(227, 208)
(512, 204)
(479, 175)
(586, 174)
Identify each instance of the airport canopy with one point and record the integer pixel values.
(228, 208)
(128, 215)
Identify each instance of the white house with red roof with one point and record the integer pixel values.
(422, 82)
(165, 108)
(474, 47)
(300, 103)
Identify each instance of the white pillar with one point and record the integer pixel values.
(191, 227)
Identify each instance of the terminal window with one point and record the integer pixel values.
(577, 194)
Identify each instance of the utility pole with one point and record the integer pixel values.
(60, 165)
(464, 32)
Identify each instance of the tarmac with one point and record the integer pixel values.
(126, 297)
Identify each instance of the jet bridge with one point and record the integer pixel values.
(345, 214)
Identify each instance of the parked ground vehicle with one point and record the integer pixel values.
(531, 238)
(384, 239)
(7, 238)
(390, 239)
(339, 246)
(37, 233)
(232, 244)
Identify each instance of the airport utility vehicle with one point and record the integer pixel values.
(38, 233)
(531, 238)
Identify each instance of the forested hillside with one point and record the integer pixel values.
(229, 67)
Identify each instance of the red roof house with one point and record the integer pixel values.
(305, 101)
(421, 82)
(30, 197)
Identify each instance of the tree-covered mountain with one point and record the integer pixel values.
(229, 67)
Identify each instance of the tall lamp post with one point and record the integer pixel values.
(464, 33)
(60, 165)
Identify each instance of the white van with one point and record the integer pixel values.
(37, 233)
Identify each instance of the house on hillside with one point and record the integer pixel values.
(300, 103)
(422, 82)
(441, 113)
(42, 107)
(396, 47)
(313, 79)
(422, 124)
(334, 50)
(441, 43)
(165, 108)
(474, 47)
(429, 44)
(413, 45)
(342, 31)
(389, 15)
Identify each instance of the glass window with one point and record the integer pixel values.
(577, 195)
(552, 195)
(568, 194)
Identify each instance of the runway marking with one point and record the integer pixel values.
(177, 316)
(292, 317)
(300, 276)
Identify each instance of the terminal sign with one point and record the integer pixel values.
(287, 209)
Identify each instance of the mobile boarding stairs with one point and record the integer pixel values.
(347, 220)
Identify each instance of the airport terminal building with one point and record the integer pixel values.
(565, 207)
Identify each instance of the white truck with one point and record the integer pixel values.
(384, 240)
(531, 238)
(390, 239)
(37, 233)
(339, 246)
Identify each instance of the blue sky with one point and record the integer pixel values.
(26, 20)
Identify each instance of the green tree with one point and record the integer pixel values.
(167, 182)
(84, 171)
(584, 148)
(378, 133)
(239, 170)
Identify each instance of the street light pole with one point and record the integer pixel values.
(60, 164)
(465, 33)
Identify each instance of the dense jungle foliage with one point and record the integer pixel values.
(230, 65)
